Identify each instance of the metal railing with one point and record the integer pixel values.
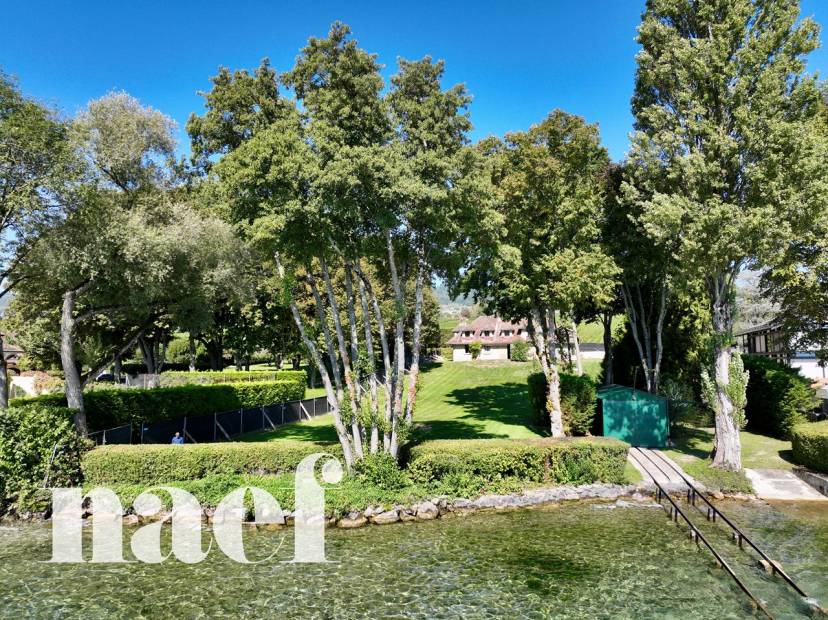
(211, 427)
(713, 513)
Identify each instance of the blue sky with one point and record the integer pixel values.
(520, 60)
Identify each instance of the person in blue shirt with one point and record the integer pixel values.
(177, 438)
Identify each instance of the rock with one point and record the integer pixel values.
(352, 521)
(461, 503)
(131, 520)
(374, 510)
(383, 518)
(426, 511)
(718, 495)
(407, 514)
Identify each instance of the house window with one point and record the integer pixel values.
(520, 331)
(487, 348)
(506, 332)
(467, 349)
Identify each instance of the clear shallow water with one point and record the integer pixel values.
(571, 561)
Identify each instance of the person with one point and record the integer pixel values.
(177, 438)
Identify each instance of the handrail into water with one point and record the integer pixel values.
(693, 492)
(698, 536)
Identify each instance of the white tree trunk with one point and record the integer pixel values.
(192, 351)
(608, 373)
(414, 372)
(579, 365)
(72, 381)
(399, 344)
(727, 453)
(372, 371)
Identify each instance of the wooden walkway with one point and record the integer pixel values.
(655, 466)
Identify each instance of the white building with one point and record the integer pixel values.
(495, 336)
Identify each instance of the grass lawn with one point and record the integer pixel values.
(457, 400)
(693, 446)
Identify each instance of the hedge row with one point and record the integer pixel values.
(778, 397)
(114, 407)
(576, 460)
(37, 443)
(154, 464)
(174, 378)
(810, 445)
(578, 395)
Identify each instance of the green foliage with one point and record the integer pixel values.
(520, 351)
(559, 461)
(578, 395)
(778, 397)
(178, 354)
(108, 408)
(735, 389)
(810, 445)
(683, 406)
(381, 470)
(39, 448)
(475, 348)
(173, 378)
(152, 464)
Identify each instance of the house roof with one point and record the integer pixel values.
(492, 324)
(765, 327)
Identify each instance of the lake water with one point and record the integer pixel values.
(570, 561)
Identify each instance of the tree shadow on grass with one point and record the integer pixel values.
(297, 432)
(507, 403)
(694, 441)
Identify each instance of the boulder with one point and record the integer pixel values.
(352, 521)
(426, 511)
(383, 518)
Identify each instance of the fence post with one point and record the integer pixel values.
(184, 430)
(142, 431)
(283, 413)
(215, 423)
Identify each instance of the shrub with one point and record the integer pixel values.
(381, 470)
(578, 395)
(107, 408)
(475, 348)
(560, 461)
(520, 351)
(39, 448)
(153, 464)
(178, 354)
(810, 445)
(684, 407)
(174, 377)
(778, 397)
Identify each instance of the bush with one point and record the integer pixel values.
(810, 445)
(578, 395)
(107, 408)
(684, 407)
(475, 348)
(154, 464)
(520, 351)
(778, 397)
(39, 448)
(178, 354)
(559, 461)
(174, 377)
(381, 470)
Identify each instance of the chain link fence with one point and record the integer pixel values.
(214, 426)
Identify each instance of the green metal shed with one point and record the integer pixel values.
(637, 417)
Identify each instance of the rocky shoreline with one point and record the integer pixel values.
(439, 507)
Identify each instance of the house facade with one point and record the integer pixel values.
(770, 340)
(495, 336)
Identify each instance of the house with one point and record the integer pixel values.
(495, 336)
(770, 340)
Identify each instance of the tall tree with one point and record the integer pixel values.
(35, 163)
(725, 117)
(546, 258)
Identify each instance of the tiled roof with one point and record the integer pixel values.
(492, 324)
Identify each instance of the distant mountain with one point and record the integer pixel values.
(444, 299)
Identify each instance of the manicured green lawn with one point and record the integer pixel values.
(457, 400)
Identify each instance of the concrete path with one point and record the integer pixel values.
(654, 465)
(778, 484)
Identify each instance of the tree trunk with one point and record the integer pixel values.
(192, 351)
(579, 365)
(414, 371)
(727, 453)
(553, 379)
(72, 380)
(4, 377)
(372, 366)
(636, 321)
(150, 354)
(117, 369)
(399, 344)
(606, 319)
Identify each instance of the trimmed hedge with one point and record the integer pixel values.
(578, 396)
(114, 407)
(778, 397)
(576, 460)
(37, 443)
(810, 445)
(174, 378)
(154, 464)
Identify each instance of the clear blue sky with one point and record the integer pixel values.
(520, 60)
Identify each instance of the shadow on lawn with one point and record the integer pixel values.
(298, 432)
